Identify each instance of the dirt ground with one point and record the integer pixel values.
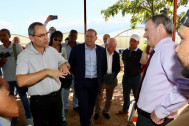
(73, 117)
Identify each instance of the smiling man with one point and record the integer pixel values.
(159, 98)
(39, 67)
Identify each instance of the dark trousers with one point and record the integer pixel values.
(87, 93)
(144, 119)
(47, 109)
(129, 83)
(23, 97)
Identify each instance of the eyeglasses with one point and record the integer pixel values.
(42, 35)
(57, 40)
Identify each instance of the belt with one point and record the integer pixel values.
(90, 78)
(147, 115)
(53, 94)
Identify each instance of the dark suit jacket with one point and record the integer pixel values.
(77, 63)
(115, 67)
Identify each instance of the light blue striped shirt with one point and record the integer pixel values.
(90, 62)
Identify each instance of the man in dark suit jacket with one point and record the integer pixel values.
(87, 61)
(109, 82)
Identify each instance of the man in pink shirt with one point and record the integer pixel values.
(159, 98)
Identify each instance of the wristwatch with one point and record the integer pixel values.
(68, 65)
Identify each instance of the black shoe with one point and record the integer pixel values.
(96, 116)
(64, 123)
(76, 109)
(106, 115)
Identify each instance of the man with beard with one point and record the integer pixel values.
(182, 51)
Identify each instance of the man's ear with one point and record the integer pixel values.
(31, 38)
(96, 38)
(161, 28)
(137, 43)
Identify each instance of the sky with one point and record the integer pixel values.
(17, 15)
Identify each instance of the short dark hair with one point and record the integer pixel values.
(67, 38)
(162, 19)
(73, 31)
(32, 27)
(6, 30)
(93, 31)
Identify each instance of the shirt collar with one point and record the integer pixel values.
(10, 46)
(88, 48)
(135, 49)
(68, 45)
(161, 42)
(108, 52)
(34, 50)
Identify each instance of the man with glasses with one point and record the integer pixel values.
(39, 67)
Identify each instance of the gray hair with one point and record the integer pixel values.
(162, 19)
(32, 27)
(108, 40)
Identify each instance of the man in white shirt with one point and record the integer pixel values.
(109, 80)
(105, 37)
(39, 67)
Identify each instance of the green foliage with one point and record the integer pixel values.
(144, 9)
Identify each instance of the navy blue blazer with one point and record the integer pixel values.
(77, 63)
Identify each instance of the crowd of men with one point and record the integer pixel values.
(159, 93)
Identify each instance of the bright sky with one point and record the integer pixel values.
(17, 15)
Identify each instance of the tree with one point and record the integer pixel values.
(144, 9)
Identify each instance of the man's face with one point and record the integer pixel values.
(72, 37)
(40, 37)
(111, 46)
(90, 38)
(51, 30)
(16, 40)
(133, 44)
(105, 37)
(151, 34)
(182, 49)
(4, 36)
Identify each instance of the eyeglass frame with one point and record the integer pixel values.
(42, 35)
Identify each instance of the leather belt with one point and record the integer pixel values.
(53, 94)
(147, 115)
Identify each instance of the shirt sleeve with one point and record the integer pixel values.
(22, 66)
(18, 49)
(60, 58)
(172, 69)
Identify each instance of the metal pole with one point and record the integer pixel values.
(174, 19)
(85, 18)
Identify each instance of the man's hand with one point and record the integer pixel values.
(65, 68)
(155, 119)
(56, 74)
(48, 19)
(4, 86)
(3, 61)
